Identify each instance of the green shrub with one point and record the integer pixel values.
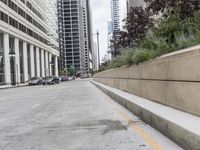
(143, 55)
(168, 34)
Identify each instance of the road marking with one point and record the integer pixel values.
(35, 106)
(137, 128)
(141, 132)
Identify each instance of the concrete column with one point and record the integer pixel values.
(38, 61)
(46, 64)
(6, 59)
(56, 65)
(42, 63)
(17, 61)
(50, 64)
(32, 62)
(25, 62)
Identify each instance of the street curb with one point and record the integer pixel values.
(12, 87)
(176, 132)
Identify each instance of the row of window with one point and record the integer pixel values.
(67, 2)
(34, 10)
(28, 4)
(22, 13)
(4, 17)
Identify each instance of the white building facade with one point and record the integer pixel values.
(28, 40)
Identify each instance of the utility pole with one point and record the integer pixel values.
(98, 49)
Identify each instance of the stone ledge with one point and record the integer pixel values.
(181, 127)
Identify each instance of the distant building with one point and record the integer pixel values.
(110, 29)
(135, 3)
(89, 65)
(75, 35)
(28, 40)
(123, 13)
(110, 36)
(95, 57)
(115, 15)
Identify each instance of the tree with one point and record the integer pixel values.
(188, 7)
(105, 62)
(119, 40)
(71, 71)
(137, 25)
(62, 72)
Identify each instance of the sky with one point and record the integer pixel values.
(101, 14)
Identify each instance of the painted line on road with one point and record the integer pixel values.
(135, 127)
(35, 106)
(141, 132)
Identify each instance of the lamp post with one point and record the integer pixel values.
(12, 56)
(98, 49)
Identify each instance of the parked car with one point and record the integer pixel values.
(65, 78)
(84, 76)
(60, 78)
(50, 80)
(35, 81)
(71, 78)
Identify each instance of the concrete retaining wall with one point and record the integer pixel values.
(182, 128)
(172, 80)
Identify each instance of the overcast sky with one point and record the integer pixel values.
(101, 12)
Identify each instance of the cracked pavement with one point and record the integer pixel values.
(73, 115)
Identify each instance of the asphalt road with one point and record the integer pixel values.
(73, 115)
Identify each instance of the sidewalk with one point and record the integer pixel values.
(11, 86)
(181, 127)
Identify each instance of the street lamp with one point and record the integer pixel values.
(98, 48)
(12, 56)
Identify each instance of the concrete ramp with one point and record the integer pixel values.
(183, 128)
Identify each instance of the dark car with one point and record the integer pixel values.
(64, 78)
(50, 80)
(35, 81)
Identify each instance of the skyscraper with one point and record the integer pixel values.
(135, 3)
(90, 36)
(115, 14)
(28, 40)
(74, 35)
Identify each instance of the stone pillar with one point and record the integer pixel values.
(46, 64)
(42, 63)
(25, 62)
(50, 64)
(6, 59)
(17, 61)
(32, 61)
(38, 61)
(56, 65)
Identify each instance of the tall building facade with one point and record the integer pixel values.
(28, 40)
(135, 3)
(90, 37)
(115, 15)
(95, 57)
(74, 35)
